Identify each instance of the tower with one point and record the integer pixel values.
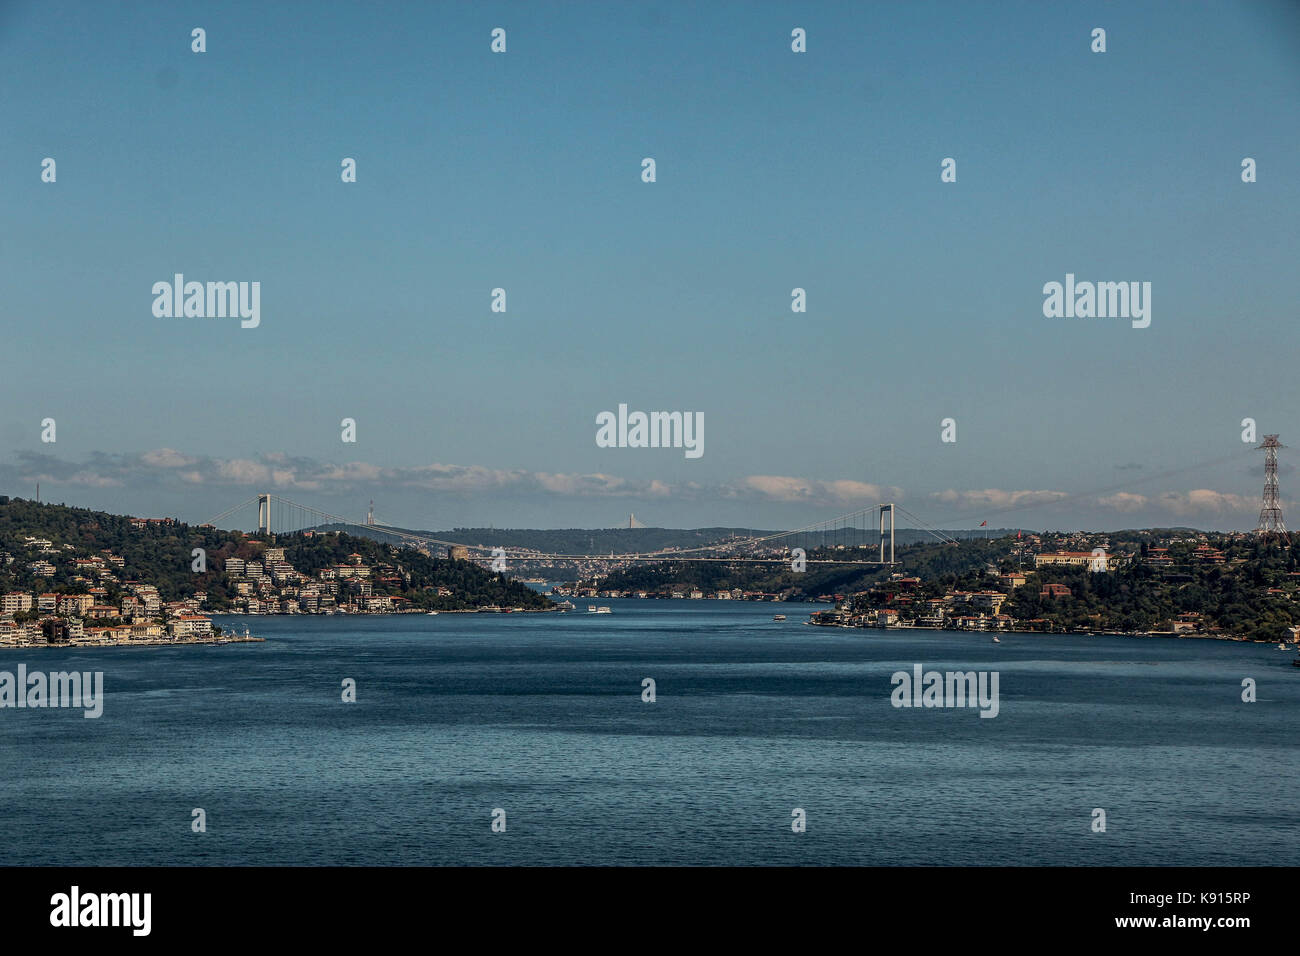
(264, 513)
(1270, 512)
(370, 515)
(887, 509)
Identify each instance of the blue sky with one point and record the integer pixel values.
(775, 170)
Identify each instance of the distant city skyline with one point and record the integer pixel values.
(776, 171)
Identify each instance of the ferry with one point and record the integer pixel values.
(603, 609)
(779, 617)
(565, 605)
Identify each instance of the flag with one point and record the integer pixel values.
(1017, 535)
(983, 523)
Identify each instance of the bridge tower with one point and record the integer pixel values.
(1270, 512)
(890, 509)
(264, 513)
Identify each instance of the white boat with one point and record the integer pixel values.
(591, 609)
(604, 609)
(997, 640)
(433, 614)
(779, 617)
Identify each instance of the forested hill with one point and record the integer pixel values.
(161, 552)
(930, 561)
(604, 541)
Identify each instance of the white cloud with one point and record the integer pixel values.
(1205, 501)
(834, 492)
(1124, 502)
(167, 458)
(996, 498)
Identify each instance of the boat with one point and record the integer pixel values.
(433, 614)
(779, 617)
(591, 609)
(997, 640)
(604, 609)
(1281, 647)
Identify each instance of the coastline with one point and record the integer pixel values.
(149, 642)
(992, 631)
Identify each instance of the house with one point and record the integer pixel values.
(990, 601)
(1094, 561)
(191, 625)
(1054, 591)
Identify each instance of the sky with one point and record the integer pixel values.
(774, 170)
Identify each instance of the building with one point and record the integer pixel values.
(990, 601)
(1076, 559)
(191, 625)
(15, 601)
(75, 604)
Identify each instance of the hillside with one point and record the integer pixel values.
(116, 549)
(926, 560)
(602, 541)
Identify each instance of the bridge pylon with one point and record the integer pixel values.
(264, 514)
(890, 509)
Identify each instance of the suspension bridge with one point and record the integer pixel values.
(862, 537)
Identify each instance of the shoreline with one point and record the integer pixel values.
(150, 642)
(996, 631)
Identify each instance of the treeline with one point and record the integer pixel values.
(162, 554)
(604, 541)
(928, 561)
(1251, 599)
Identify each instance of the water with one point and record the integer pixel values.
(541, 715)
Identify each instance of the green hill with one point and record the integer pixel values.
(160, 552)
